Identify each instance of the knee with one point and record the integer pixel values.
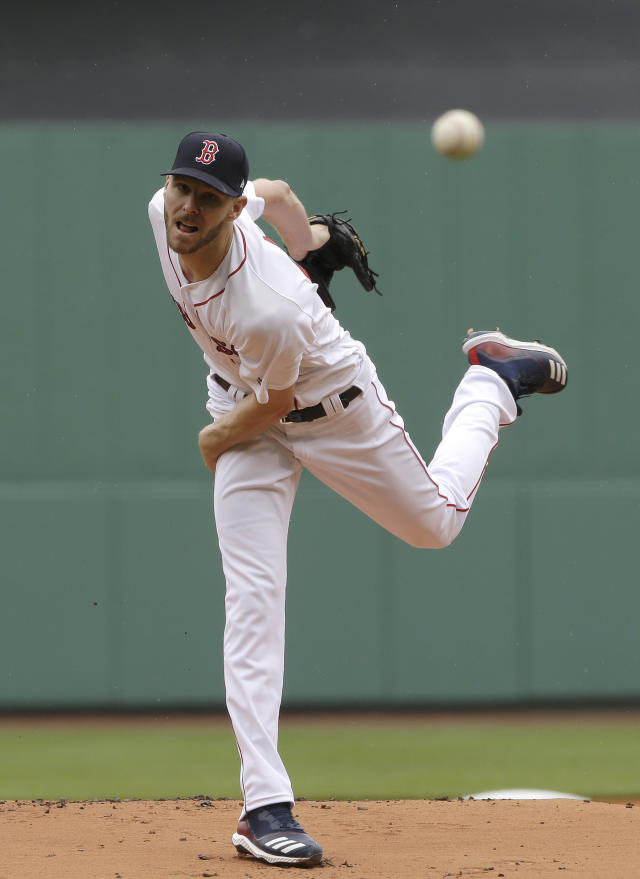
(431, 541)
(442, 541)
(433, 537)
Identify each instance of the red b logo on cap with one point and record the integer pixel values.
(208, 153)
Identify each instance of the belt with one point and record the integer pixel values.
(309, 413)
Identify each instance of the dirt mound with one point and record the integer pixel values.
(361, 840)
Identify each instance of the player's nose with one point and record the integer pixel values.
(190, 205)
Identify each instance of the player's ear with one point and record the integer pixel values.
(166, 181)
(237, 207)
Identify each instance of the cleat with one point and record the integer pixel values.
(273, 835)
(526, 367)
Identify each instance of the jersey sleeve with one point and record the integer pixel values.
(273, 352)
(255, 204)
(156, 208)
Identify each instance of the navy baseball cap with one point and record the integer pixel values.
(214, 159)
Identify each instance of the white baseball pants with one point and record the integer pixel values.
(365, 455)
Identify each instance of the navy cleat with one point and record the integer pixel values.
(526, 367)
(272, 834)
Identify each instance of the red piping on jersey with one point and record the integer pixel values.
(219, 293)
(419, 459)
(173, 267)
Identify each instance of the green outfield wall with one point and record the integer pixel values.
(112, 593)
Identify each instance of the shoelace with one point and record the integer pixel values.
(277, 818)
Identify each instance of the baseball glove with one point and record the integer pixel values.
(344, 248)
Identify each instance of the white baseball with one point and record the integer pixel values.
(457, 134)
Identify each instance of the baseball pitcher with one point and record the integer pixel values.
(288, 387)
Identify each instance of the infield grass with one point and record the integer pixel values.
(350, 759)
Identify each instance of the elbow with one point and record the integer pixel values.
(281, 192)
(209, 449)
(205, 440)
(277, 194)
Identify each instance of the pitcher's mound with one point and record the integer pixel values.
(545, 839)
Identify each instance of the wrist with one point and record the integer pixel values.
(319, 235)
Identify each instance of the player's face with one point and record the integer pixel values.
(195, 214)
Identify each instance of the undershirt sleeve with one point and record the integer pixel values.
(255, 204)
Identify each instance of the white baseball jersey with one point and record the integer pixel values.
(258, 318)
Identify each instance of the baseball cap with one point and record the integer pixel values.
(214, 159)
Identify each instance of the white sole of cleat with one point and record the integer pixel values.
(501, 339)
(246, 847)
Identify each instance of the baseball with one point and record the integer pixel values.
(457, 134)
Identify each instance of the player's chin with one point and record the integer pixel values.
(182, 242)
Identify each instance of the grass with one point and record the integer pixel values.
(350, 759)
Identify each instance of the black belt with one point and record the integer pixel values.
(310, 413)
